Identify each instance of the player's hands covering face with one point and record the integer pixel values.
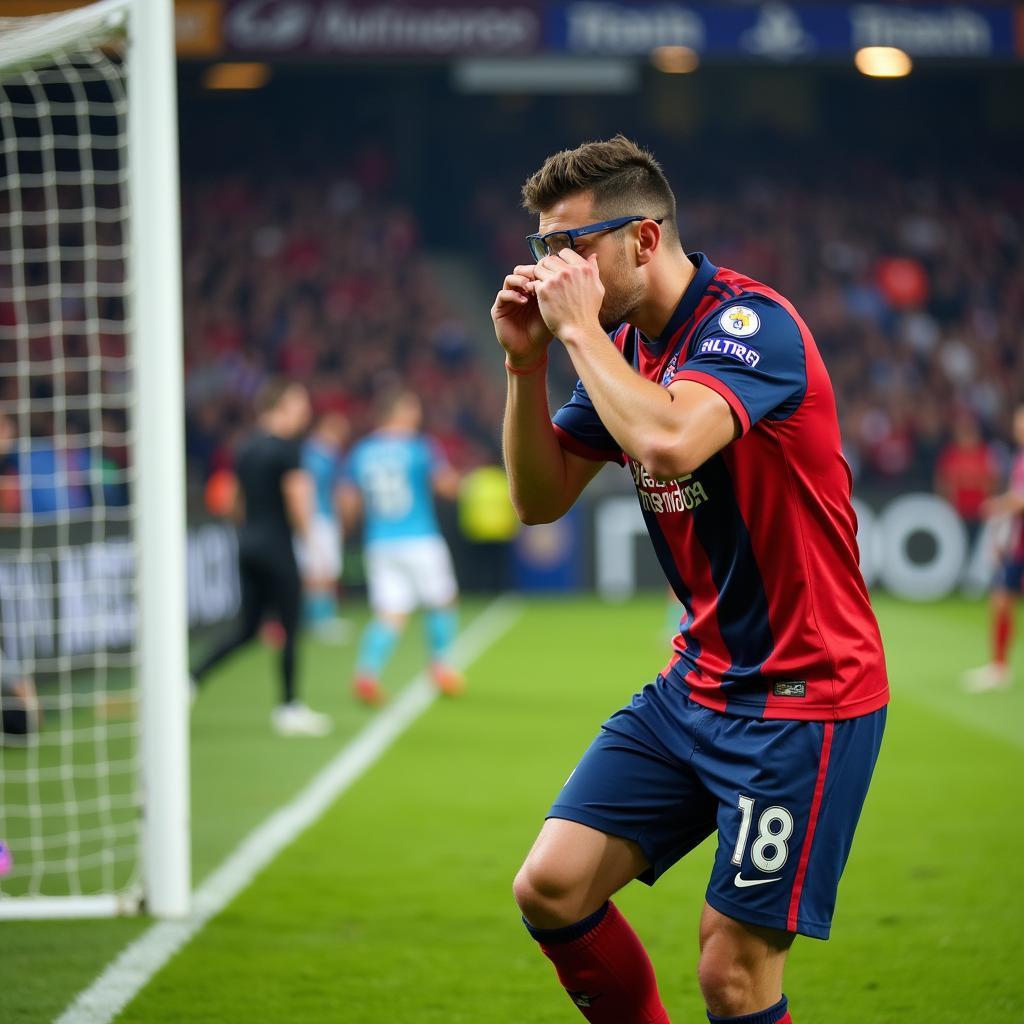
(569, 291)
(517, 321)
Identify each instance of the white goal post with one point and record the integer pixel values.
(141, 860)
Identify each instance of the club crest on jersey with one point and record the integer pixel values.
(727, 347)
(670, 370)
(740, 321)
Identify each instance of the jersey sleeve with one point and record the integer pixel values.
(580, 430)
(750, 352)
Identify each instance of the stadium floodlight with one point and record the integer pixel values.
(882, 62)
(236, 76)
(675, 60)
(94, 805)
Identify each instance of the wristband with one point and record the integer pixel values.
(526, 371)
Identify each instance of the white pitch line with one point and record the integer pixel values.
(136, 965)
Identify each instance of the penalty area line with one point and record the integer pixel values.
(133, 968)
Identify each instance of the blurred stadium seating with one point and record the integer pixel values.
(312, 241)
(323, 215)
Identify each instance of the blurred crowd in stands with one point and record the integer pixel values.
(914, 289)
(323, 280)
(64, 365)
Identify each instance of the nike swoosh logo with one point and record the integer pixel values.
(742, 883)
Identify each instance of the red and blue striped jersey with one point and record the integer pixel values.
(759, 543)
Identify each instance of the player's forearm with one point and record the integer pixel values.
(636, 412)
(534, 459)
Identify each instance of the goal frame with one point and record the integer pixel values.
(154, 296)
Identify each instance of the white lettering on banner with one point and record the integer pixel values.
(619, 29)
(618, 523)
(82, 599)
(213, 586)
(95, 597)
(884, 542)
(259, 25)
(884, 539)
(25, 588)
(949, 32)
(329, 27)
(777, 34)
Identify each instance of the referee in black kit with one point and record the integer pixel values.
(274, 501)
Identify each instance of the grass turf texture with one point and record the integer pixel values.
(397, 907)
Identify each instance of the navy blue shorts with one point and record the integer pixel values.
(784, 796)
(1011, 575)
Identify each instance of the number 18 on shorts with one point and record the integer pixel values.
(783, 795)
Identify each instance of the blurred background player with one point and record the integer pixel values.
(968, 472)
(321, 559)
(391, 477)
(996, 675)
(273, 502)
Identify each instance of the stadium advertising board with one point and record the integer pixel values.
(58, 604)
(453, 28)
(774, 32)
(55, 606)
(783, 32)
(321, 27)
(914, 546)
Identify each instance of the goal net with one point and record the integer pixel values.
(92, 685)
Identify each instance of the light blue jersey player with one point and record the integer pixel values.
(320, 555)
(391, 478)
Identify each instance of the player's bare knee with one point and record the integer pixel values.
(546, 894)
(537, 891)
(528, 898)
(726, 982)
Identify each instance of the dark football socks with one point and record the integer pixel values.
(777, 1014)
(605, 969)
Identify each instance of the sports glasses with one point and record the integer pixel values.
(556, 241)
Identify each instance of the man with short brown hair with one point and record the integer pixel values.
(766, 722)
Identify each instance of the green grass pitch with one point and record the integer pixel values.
(396, 906)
